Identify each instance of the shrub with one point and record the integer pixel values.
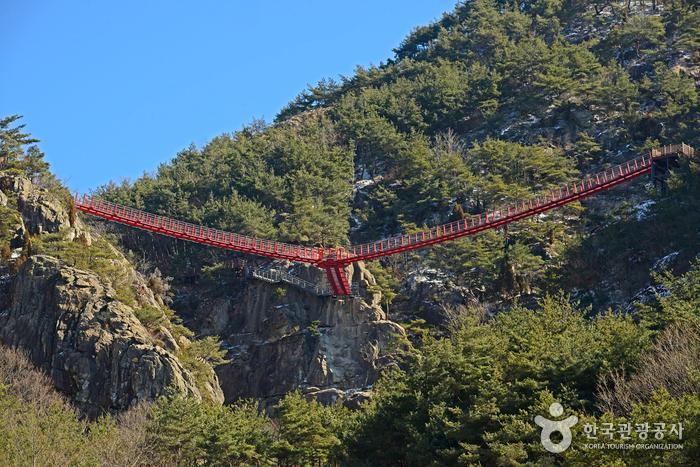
(39, 427)
(150, 317)
(313, 328)
(200, 356)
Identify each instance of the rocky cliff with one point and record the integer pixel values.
(91, 345)
(76, 325)
(72, 322)
(281, 338)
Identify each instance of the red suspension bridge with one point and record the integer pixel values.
(334, 260)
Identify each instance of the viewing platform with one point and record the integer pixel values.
(672, 150)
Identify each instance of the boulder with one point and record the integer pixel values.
(354, 400)
(79, 235)
(40, 210)
(646, 296)
(93, 347)
(326, 396)
(665, 262)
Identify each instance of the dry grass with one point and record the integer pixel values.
(673, 364)
(22, 380)
(40, 427)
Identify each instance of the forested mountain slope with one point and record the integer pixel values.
(594, 306)
(487, 105)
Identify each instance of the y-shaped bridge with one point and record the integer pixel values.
(334, 260)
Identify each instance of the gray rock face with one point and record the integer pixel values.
(646, 296)
(40, 211)
(281, 338)
(664, 263)
(352, 398)
(99, 354)
(93, 347)
(432, 295)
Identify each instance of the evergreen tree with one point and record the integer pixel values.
(304, 438)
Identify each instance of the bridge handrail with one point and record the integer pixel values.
(672, 150)
(493, 218)
(185, 230)
(556, 195)
(274, 275)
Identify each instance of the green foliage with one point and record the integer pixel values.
(683, 21)
(306, 436)
(175, 324)
(472, 398)
(474, 260)
(40, 435)
(213, 272)
(313, 328)
(150, 317)
(417, 328)
(586, 150)
(241, 182)
(682, 305)
(20, 155)
(638, 35)
(280, 293)
(13, 155)
(622, 251)
(676, 103)
(386, 282)
(458, 399)
(504, 173)
(204, 350)
(511, 171)
(199, 356)
(9, 223)
(186, 432)
(40, 428)
(661, 409)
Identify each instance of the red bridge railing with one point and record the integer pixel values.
(503, 215)
(196, 233)
(333, 260)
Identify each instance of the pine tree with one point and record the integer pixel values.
(304, 438)
(12, 140)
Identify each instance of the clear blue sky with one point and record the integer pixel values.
(114, 88)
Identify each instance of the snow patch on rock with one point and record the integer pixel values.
(646, 296)
(642, 209)
(663, 263)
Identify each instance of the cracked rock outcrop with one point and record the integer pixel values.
(281, 338)
(40, 211)
(431, 295)
(91, 345)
